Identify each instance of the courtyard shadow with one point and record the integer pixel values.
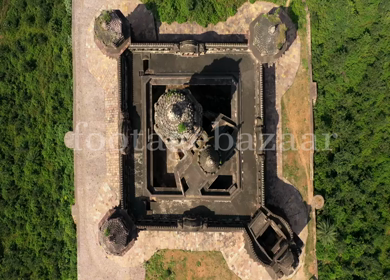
(146, 28)
(206, 37)
(291, 27)
(215, 104)
(135, 205)
(143, 25)
(282, 198)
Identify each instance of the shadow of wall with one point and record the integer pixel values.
(146, 28)
(281, 198)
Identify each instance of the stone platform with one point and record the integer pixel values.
(97, 166)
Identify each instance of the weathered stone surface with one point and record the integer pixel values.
(318, 201)
(178, 119)
(108, 29)
(69, 140)
(96, 115)
(268, 37)
(209, 160)
(235, 28)
(112, 33)
(231, 244)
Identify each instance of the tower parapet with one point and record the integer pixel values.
(117, 232)
(112, 33)
(268, 36)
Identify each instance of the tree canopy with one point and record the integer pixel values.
(37, 234)
(351, 63)
(200, 11)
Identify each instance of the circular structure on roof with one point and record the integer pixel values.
(112, 32)
(178, 119)
(115, 235)
(209, 160)
(268, 37)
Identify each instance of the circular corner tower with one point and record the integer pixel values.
(112, 33)
(268, 36)
(117, 233)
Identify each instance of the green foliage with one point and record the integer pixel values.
(182, 128)
(273, 18)
(200, 11)
(107, 232)
(156, 269)
(37, 234)
(68, 6)
(351, 63)
(106, 16)
(171, 93)
(305, 63)
(297, 13)
(326, 232)
(282, 35)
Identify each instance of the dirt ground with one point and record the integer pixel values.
(296, 119)
(187, 265)
(296, 110)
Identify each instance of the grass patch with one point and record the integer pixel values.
(182, 128)
(295, 120)
(305, 64)
(310, 256)
(157, 268)
(184, 265)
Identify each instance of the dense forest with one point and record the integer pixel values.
(37, 234)
(351, 63)
(200, 11)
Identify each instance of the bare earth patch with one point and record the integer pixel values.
(183, 265)
(296, 111)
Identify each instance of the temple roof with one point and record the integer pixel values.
(178, 118)
(209, 160)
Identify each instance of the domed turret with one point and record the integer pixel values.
(112, 32)
(209, 160)
(178, 119)
(117, 234)
(268, 37)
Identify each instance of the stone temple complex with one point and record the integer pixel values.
(184, 107)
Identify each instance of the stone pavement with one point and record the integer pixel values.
(96, 157)
(231, 244)
(237, 25)
(285, 71)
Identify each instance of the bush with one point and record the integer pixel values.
(351, 65)
(37, 234)
(200, 11)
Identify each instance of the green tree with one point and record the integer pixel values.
(351, 65)
(326, 232)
